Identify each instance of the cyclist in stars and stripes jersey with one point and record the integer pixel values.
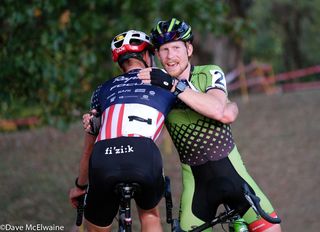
(199, 124)
(132, 116)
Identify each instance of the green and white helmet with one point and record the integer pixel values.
(171, 30)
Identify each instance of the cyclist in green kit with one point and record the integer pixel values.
(199, 125)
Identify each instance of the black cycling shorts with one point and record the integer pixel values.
(217, 182)
(124, 159)
(213, 183)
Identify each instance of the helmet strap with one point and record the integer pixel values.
(152, 61)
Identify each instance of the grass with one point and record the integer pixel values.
(37, 170)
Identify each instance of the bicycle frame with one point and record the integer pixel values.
(231, 216)
(126, 191)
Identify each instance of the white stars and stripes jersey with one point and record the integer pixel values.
(130, 120)
(130, 108)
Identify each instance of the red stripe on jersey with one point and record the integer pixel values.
(109, 122)
(100, 130)
(159, 117)
(159, 126)
(120, 118)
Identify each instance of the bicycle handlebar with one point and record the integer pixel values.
(168, 198)
(80, 209)
(254, 201)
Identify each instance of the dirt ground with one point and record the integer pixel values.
(277, 136)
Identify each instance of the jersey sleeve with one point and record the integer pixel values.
(218, 79)
(95, 103)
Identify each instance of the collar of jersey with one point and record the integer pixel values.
(134, 70)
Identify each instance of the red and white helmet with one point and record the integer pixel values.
(129, 42)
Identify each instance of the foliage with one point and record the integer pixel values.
(49, 57)
(285, 35)
(55, 53)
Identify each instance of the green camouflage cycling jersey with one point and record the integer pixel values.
(197, 138)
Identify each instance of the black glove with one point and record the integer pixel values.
(95, 124)
(162, 79)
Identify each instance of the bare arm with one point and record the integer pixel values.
(83, 169)
(213, 104)
(231, 112)
(84, 163)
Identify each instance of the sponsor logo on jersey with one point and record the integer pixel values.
(123, 149)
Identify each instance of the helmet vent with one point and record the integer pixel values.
(118, 44)
(135, 42)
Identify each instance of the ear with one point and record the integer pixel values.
(189, 49)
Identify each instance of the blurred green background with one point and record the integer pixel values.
(54, 53)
